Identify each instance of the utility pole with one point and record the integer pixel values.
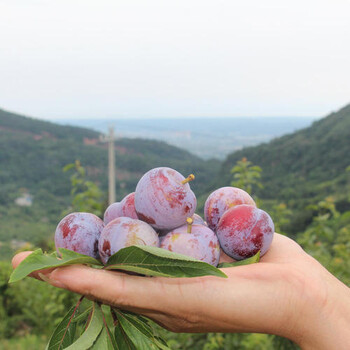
(111, 164)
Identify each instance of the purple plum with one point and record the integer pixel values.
(79, 232)
(124, 232)
(200, 243)
(163, 198)
(124, 208)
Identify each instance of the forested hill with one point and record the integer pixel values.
(17, 123)
(306, 164)
(33, 153)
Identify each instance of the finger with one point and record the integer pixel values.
(39, 275)
(115, 288)
(104, 285)
(18, 258)
(157, 298)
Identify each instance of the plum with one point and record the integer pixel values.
(198, 220)
(79, 232)
(197, 241)
(124, 232)
(125, 208)
(221, 200)
(163, 198)
(244, 230)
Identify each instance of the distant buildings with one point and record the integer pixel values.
(88, 141)
(26, 200)
(16, 244)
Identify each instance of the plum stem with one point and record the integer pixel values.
(189, 178)
(189, 225)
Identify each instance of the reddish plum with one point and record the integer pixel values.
(244, 230)
(200, 243)
(163, 198)
(125, 208)
(79, 232)
(221, 200)
(124, 232)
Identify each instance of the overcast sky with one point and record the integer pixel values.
(161, 58)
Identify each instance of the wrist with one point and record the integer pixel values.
(324, 314)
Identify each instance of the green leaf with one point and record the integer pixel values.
(108, 322)
(103, 342)
(68, 167)
(122, 340)
(88, 338)
(64, 333)
(142, 323)
(84, 315)
(136, 332)
(153, 261)
(252, 260)
(40, 261)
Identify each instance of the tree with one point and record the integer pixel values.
(327, 238)
(281, 215)
(87, 196)
(246, 176)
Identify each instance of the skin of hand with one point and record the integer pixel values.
(287, 293)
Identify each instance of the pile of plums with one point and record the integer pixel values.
(161, 213)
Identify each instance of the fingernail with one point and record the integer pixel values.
(53, 282)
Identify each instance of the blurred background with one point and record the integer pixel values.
(251, 94)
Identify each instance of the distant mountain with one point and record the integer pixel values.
(12, 122)
(309, 163)
(205, 137)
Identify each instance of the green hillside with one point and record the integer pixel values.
(33, 153)
(306, 164)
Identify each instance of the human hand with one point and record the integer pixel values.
(288, 293)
